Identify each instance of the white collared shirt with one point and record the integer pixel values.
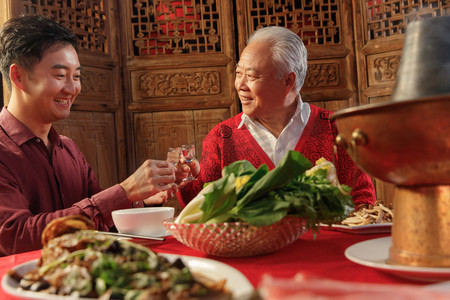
(275, 148)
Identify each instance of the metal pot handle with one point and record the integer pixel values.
(359, 138)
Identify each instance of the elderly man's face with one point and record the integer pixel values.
(261, 91)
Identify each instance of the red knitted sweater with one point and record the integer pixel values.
(225, 144)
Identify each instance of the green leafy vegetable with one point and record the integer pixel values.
(293, 164)
(262, 197)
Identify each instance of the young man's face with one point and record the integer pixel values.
(53, 84)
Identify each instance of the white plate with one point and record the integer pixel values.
(374, 253)
(363, 229)
(237, 283)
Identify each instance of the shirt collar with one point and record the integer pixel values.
(299, 113)
(19, 133)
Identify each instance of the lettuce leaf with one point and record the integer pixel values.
(269, 196)
(293, 164)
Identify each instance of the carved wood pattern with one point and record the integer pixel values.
(390, 17)
(179, 84)
(175, 27)
(320, 75)
(384, 68)
(324, 28)
(316, 22)
(96, 83)
(87, 19)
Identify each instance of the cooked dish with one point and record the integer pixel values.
(374, 214)
(92, 265)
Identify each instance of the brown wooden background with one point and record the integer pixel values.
(158, 74)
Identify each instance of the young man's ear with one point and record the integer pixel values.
(17, 75)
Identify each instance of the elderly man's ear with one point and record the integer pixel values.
(290, 80)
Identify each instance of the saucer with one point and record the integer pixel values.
(375, 253)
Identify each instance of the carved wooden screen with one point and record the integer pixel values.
(96, 122)
(180, 57)
(380, 26)
(325, 28)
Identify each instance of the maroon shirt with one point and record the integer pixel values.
(37, 186)
(225, 144)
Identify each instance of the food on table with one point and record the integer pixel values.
(65, 225)
(89, 264)
(323, 164)
(374, 214)
(261, 197)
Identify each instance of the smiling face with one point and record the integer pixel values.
(262, 92)
(52, 86)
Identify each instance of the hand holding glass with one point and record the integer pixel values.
(188, 152)
(173, 155)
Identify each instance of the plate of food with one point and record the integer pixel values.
(373, 219)
(89, 265)
(208, 269)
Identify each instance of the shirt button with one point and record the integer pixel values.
(38, 140)
(137, 202)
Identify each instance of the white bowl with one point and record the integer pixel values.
(146, 221)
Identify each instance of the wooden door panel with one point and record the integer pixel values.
(97, 86)
(326, 30)
(205, 120)
(94, 134)
(179, 58)
(182, 88)
(380, 27)
(156, 132)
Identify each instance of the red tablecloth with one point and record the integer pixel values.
(323, 256)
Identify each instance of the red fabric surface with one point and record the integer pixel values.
(322, 257)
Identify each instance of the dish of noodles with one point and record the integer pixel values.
(88, 264)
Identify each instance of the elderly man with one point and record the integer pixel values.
(269, 76)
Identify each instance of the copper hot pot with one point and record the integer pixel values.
(406, 142)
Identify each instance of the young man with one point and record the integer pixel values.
(43, 175)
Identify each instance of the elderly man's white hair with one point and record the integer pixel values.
(288, 51)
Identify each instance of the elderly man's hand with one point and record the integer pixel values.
(183, 170)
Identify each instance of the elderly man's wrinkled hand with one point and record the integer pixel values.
(184, 169)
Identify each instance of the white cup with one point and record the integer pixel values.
(146, 221)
